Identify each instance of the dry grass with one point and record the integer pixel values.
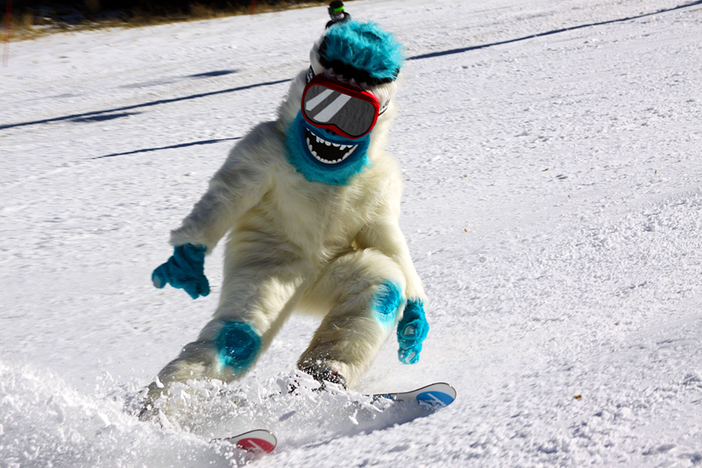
(25, 25)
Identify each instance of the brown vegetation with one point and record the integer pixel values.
(32, 18)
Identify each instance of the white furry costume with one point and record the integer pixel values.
(295, 245)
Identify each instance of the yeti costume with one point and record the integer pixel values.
(312, 217)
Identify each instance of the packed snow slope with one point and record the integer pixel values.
(553, 206)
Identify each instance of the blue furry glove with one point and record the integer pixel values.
(184, 270)
(411, 332)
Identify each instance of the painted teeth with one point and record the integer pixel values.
(350, 148)
(322, 141)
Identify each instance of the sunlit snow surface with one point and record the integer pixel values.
(553, 206)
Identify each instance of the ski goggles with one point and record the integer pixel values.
(349, 112)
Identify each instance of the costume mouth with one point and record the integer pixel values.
(327, 152)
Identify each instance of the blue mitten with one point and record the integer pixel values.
(411, 332)
(184, 270)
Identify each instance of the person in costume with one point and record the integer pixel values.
(337, 13)
(310, 203)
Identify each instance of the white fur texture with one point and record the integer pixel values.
(300, 246)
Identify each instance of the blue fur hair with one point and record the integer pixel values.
(362, 51)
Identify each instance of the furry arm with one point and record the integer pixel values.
(237, 186)
(385, 235)
(412, 328)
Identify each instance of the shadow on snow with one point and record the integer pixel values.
(180, 145)
(143, 105)
(548, 33)
(92, 116)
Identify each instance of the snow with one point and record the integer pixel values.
(553, 206)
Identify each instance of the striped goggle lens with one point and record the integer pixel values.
(348, 112)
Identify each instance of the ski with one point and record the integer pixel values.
(258, 441)
(436, 395)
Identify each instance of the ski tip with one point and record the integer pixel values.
(435, 398)
(436, 395)
(258, 441)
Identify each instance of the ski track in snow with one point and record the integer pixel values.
(553, 206)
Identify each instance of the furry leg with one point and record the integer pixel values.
(261, 286)
(364, 293)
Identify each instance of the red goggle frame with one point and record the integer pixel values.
(346, 111)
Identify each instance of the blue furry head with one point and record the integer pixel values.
(361, 51)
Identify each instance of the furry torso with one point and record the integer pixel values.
(269, 206)
(317, 220)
